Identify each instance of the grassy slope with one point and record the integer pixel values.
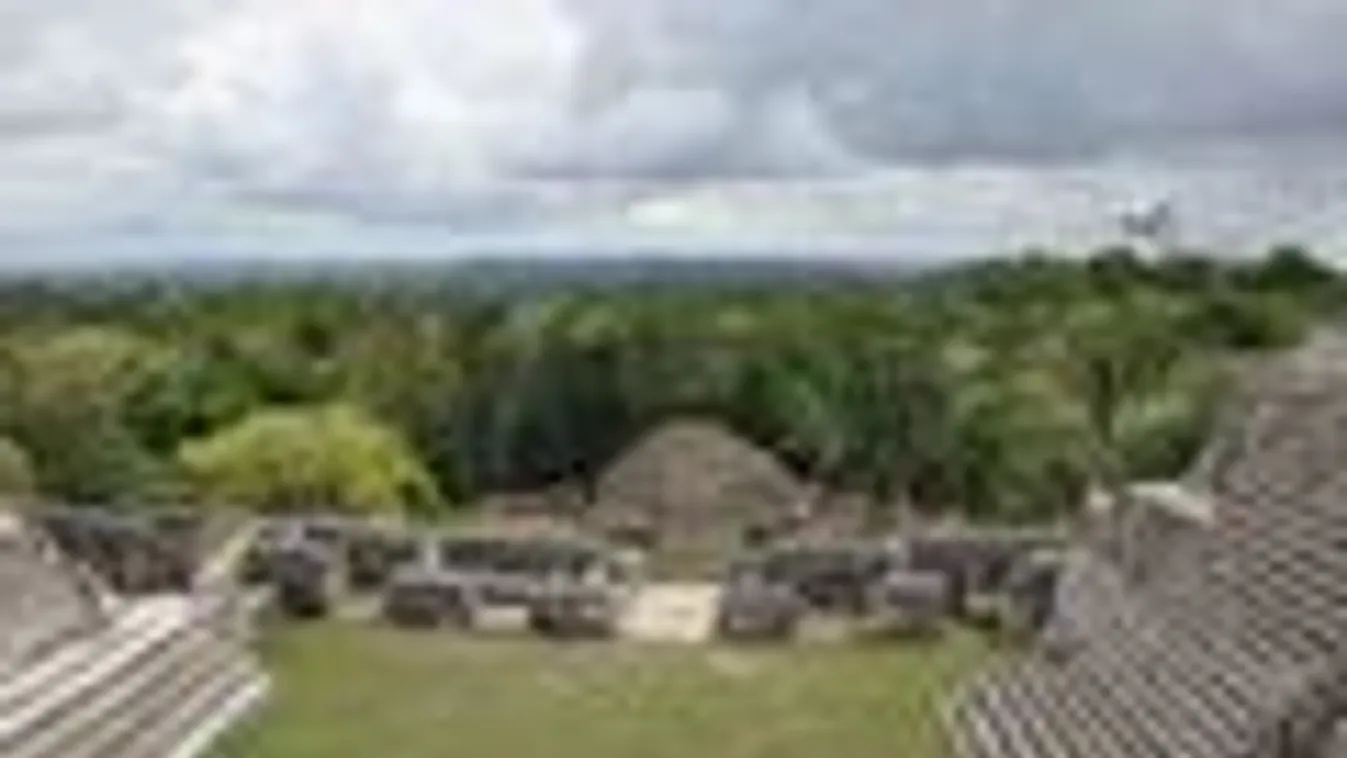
(351, 692)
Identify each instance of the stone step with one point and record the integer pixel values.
(117, 737)
(1015, 733)
(1282, 476)
(1072, 724)
(990, 733)
(1232, 606)
(47, 691)
(1109, 713)
(1205, 624)
(1299, 601)
(200, 718)
(1190, 673)
(128, 700)
(969, 734)
(1277, 521)
(978, 730)
(1295, 596)
(1027, 718)
(1193, 695)
(1130, 694)
(40, 607)
(1220, 620)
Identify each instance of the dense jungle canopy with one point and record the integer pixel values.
(993, 390)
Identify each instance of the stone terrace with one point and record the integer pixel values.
(1229, 644)
(87, 675)
(39, 608)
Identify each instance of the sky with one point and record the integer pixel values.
(365, 125)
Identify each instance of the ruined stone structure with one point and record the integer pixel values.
(86, 674)
(754, 605)
(569, 587)
(700, 491)
(1205, 619)
(911, 603)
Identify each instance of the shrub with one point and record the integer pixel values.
(332, 457)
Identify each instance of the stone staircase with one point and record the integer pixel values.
(1219, 647)
(1197, 668)
(39, 609)
(154, 677)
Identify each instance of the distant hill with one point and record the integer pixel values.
(494, 275)
(708, 271)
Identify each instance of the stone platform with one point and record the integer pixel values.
(89, 675)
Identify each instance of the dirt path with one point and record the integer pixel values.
(669, 612)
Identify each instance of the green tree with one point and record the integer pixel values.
(1117, 351)
(16, 471)
(1017, 449)
(333, 457)
(192, 393)
(64, 394)
(1292, 268)
(1229, 319)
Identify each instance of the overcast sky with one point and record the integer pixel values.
(157, 115)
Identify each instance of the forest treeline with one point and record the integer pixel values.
(995, 390)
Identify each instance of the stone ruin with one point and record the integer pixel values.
(692, 493)
(137, 553)
(707, 502)
(1202, 619)
(874, 584)
(86, 672)
(313, 562)
(756, 605)
(906, 584)
(567, 585)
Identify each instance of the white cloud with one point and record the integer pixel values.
(412, 90)
(451, 110)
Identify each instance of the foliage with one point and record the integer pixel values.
(16, 471)
(331, 457)
(64, 396)
(1240, 322)
(996, 390)
(197, 390)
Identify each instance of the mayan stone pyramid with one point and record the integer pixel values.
(700, 488)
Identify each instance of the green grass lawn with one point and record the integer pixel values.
(345, 691)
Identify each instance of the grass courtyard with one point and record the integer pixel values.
(350, 691)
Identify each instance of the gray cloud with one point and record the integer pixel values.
(904, 79)
(425, 109)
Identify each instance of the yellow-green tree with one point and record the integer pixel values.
(330, 457)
